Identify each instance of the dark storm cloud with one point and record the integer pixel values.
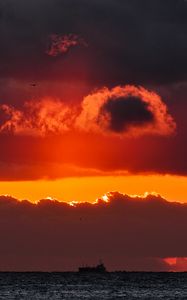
(128, 40)
(127, 233)
(125, 112)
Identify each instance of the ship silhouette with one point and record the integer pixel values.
(100, 268)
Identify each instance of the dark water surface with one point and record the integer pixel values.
(101, 286)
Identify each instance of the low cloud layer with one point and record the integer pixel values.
(132, 233)
(125, 110)
(122, 111)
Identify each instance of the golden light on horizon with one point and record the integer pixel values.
(173, 188)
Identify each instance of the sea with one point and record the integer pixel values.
(115, 285)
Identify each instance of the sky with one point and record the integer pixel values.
(92, 103)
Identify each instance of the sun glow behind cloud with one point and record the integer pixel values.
(125, 110)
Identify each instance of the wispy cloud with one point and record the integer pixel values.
(60, 44)
(46, 116)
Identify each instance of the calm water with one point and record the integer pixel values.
(107, 286)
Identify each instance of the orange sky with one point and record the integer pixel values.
(93, 100)
(173, 188)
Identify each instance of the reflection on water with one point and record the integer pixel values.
(84, 286)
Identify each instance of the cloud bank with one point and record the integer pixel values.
(122, 110)
(132, 233)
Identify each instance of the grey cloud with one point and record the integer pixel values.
(128, 233)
